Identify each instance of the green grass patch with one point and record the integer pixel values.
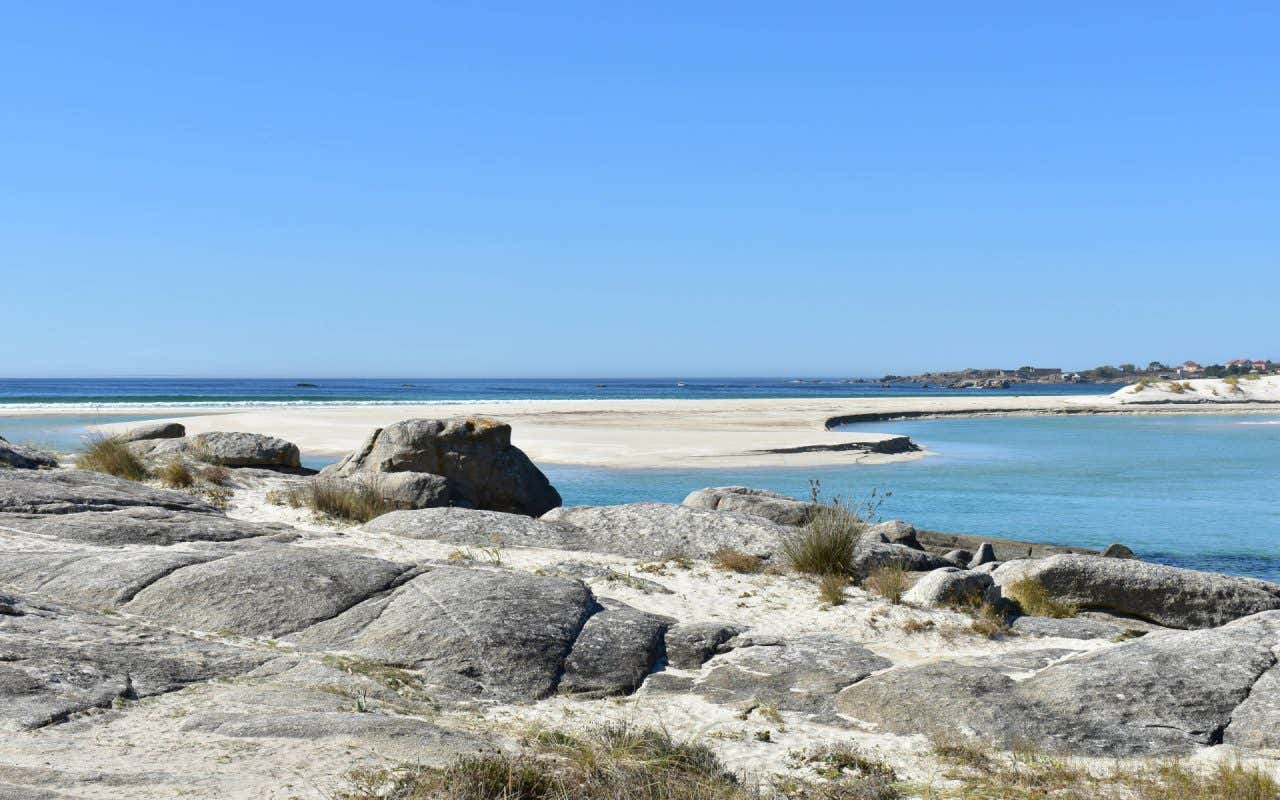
(1034, 599)
(112, 456)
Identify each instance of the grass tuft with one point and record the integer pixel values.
(175, 475)
(352, 500)
(732, 560)
(826, 545)
(831, 589)
(111, 455)
(1034, 599)
(889, 582)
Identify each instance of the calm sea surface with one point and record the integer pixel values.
(1199, 491)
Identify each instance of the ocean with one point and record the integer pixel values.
(1196, 491)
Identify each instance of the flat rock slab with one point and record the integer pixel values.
(666, 530)
(56, 662)
(269, 592)
(67, 491)
(139, 525)
(1169, 596)
(478, 528)
(99, 580)
(1166, 693)
(1072, 628)
(478, 632)
(793, 673)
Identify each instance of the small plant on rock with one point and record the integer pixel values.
(176, 475)
(889, 581)
(831, 589)
(1034, 599)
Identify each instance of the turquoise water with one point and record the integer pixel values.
(1198, 491)
(1201, 492)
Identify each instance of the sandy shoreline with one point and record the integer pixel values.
(653, 433)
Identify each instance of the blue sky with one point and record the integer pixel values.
(557, 189)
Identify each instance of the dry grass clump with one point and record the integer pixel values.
(111, 455)
(984, 774)
(889, 581)
(831, 589)
(176, 475)
(732, 560)
(352, 500)
(216, 475)
(616, 762)
(916, 625)
(1233, 383)
(989, 621)
(1034, 599)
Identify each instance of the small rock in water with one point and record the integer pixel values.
(1118, 551)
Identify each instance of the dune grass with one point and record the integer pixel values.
(1034, 599)
(826, 545)
(111, 455)
(351, 500)
(831, 589)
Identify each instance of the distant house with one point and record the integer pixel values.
(1190, 368)
(1259, 366)
(1240, 362)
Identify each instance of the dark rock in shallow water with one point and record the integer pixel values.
(772, 506)
(1117, 551)
(19, 456)
(484, 469)
(665, 530)
(1151, 696)
(1169, 596)
(154, 430)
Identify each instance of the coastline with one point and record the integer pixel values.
(665, 433)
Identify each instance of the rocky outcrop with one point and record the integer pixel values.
(772, 506)
(871, 555)
(948, 586)
(223, 448)
(614, 651)
(19, 456)
(1168, 596)
(475, 455)
(154, 430)
(1148, 696)
(665, 530)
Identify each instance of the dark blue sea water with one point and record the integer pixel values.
(1199, 491)
(104, 394)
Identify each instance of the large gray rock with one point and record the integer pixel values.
(154, 430)
(1166, 693)
(692, 644)
(793, 673)
(476, 455)
(1072, 628)
(472, 631)
(1169, 596)
(948, 586)
(895, 531)
(21, 456)
(869, 556)
(269, 592)
(233, 449)
(772, 506)
(1255, 723)
(614, 651)
(94, 579)
(469, 526)
(58, 662)
(66, 491)
(665, 530)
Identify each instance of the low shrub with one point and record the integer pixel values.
(1034, 599)
(732, 560)
(889, 581)
(989, 621)
(826, 545)
(111, 455)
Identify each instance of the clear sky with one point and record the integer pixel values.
(579, 189)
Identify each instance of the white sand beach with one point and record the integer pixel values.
(712, 433)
